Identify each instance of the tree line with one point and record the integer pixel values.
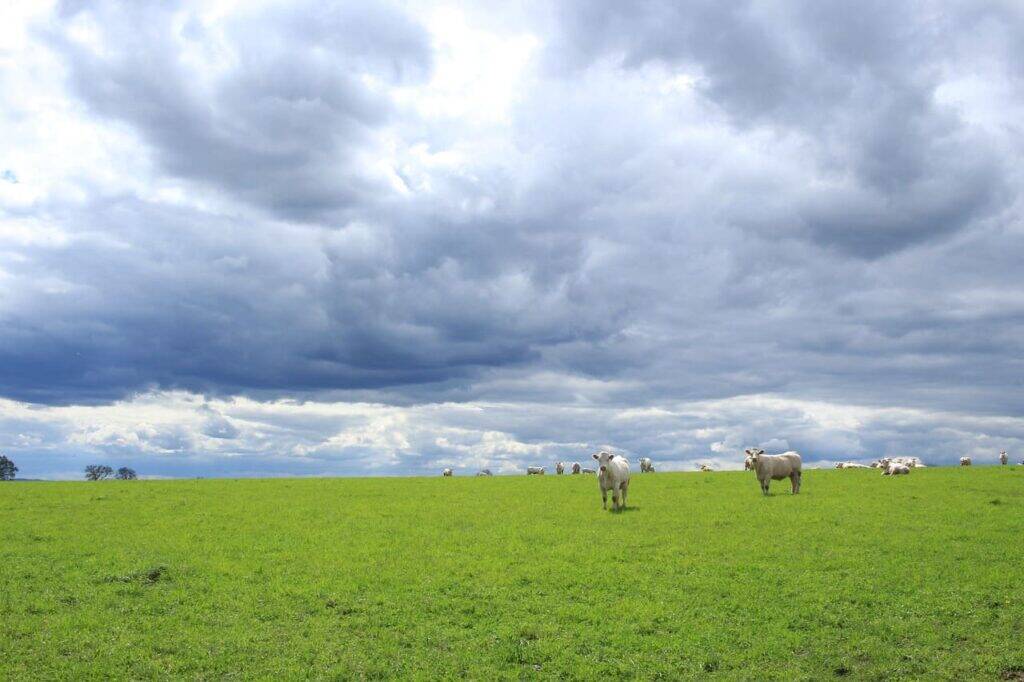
(98, 472)
(93, 472)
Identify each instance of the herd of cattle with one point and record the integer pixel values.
(613, 470)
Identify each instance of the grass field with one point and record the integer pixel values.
(859, 576)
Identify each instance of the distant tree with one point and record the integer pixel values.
(97, 472)
(7, 469)
(126, 474)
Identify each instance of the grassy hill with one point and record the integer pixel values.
(859, 575)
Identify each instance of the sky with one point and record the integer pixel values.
(364, 238)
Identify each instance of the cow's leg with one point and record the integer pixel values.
(625, 489)
(604, 498)
(796, 482)
(764, 486)
(615, 499)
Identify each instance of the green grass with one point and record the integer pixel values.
(859, 576)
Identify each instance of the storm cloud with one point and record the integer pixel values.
(673, 228)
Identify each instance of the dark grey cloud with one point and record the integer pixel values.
(895, 166)
(272, 108)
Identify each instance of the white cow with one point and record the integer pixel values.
(748, 463)
(1003, 459)
(534, 471)
(588, 471)
(614, 476)
(484, 472)
(575, 467)
(645, 464)
(559, 468)
(446, 472)
(776, 467)
(965, 461)
(895, 469)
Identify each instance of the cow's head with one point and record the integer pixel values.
(754, 454)
(603, 458)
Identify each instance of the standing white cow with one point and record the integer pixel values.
(575, 467)
(645, 464)
(614, 476)
(965, 461)
(748, 463)
(534, 471)
(559, 468)
(776, 467)
(1003, 459)
(446, 472)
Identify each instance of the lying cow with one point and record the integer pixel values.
(645, 464)
(614, 476)
(575, 467)
(776, 467)
(895, 469)
(588, 471)
(965, 461)
(705, 467)
(559, 468)
(446, 472)
(484, 472)
(534, 471)
(1003, 459)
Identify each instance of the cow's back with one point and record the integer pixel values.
(795, 463)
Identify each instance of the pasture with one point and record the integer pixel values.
(860, 576)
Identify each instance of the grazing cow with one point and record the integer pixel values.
(614, 476)
(559, 468)
(534, 471)
(645, 464)
(446, 472)
(776, 467)
(484, 472)
(748, 463)
(1003, 459)
(965, 461)
(895, 469)
(575, 467)
(588, 471)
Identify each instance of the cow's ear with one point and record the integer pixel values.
(595, 456)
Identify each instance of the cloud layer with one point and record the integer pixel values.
(406, 213)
